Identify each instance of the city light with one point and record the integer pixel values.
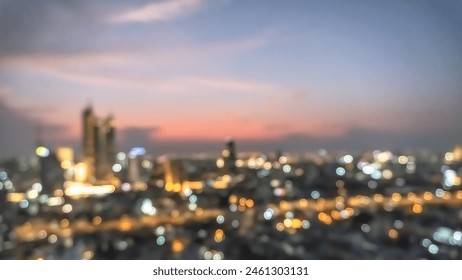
(207, 206)
(393, 233)
(177, 246)
(42, 152)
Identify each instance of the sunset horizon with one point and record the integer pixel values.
(341, 76)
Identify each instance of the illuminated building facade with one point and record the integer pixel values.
(98, 146)
(174, 174)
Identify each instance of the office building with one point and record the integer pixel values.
(98, 146)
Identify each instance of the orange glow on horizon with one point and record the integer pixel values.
(182, 127)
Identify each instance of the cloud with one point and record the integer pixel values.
(124, 68)
(66, 26)
(136, 55)
(159, 11)
(75, 68)
(48, 25)
(20, 131)
(218, 84)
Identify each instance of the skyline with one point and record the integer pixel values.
(183, 75)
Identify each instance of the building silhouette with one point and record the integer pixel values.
(98, 146)
(229, 157)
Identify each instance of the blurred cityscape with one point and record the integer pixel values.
(343, 117)
(105, 204)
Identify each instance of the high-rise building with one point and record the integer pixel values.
(109, 132)
(51, 173)
(98, 146)
(229, 157)
(88, 133)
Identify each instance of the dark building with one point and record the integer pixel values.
(3, 191)
(51, 173)
(98, 146)
(229, 157)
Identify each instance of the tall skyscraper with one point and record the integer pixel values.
(109, 132)
(98, 146)
(229, 157)
(89, 144)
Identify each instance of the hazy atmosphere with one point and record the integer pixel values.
(232, 130)
(182, 76)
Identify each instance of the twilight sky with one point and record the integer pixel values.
(182, 75)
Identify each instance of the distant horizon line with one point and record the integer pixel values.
(218, 149)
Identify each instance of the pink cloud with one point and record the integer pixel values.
(159, 11)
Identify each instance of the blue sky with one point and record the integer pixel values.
(263, 72)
